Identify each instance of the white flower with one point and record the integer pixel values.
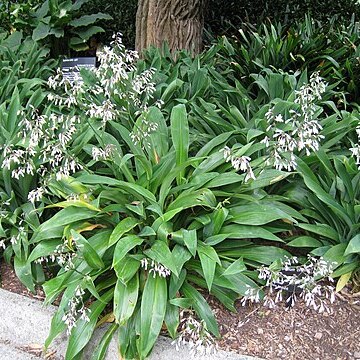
(155, 268)
(36, 195)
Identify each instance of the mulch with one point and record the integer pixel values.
(298, 333)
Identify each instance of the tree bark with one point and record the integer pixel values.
(180, 23)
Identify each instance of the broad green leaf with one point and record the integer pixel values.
(190, 240)
(134, 189)
(41, 31)
(83, 331)
(353, 246)
(183, 303)
(218, 218)
(101, 349)
(305, 241)
(126, 244)
(86, 20)
(160, 252)
(180, 256)
(75, 203)
(235, 268)
(153, 309)
(172, 319)
(122, 228)
(23, 272)
(65, 217)
(313, 184)
(90, 255)
(14, 108)
(125, 299)
(57, 324)
(258, 214)
(180, 135)
(261, 254)
(126, 269)
(336, 254)
(202, 197)
(248, 232)
(44, 248)
(322, 230)
(176, 283)
(208, 258)
(201, 307)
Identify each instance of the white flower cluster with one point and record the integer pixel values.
(355, 150)
(46, 139)
(19, 229)
(115, 89)
(155, 268)
(194, 334)
(62, 255)
(241, 163)
(295, 281)
(301, 131)
(141, 133)
(76, 310)
(103, 154)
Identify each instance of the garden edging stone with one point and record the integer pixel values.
(25, 324)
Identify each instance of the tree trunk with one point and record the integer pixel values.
(178, 22)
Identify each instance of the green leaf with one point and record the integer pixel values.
(201, 307)
(261, 254)
(313, 184)
(235, 268)
(248, 232)
(75, 203)
(83, 331)
(122, 228)
(322, 230)
(86, 20)
(180, 135)
(41, 31)
(126, 244)
(134, 189)
(180, 255)
(336, 254)
(57, 324)
(172, 319)
(14, 108)
(101, 349)
(218, 218)
(190, 240)
(353, 246)
(183, 303)
(89, 32)
(160, 252)
(90, 255)
(64, 217)
(201, 197)
(44, 248)
(208, 258)
(125, 299)
(126, 269)
(258, 214)
(153, 309)
(305, 241)
(23, 272)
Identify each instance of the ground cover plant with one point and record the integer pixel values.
(146, 183)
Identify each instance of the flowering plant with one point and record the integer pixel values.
(148, 223)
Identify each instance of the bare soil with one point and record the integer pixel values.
(296, 334)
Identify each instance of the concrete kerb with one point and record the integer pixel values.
(25, 322)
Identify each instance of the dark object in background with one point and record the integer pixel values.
(71, 67)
